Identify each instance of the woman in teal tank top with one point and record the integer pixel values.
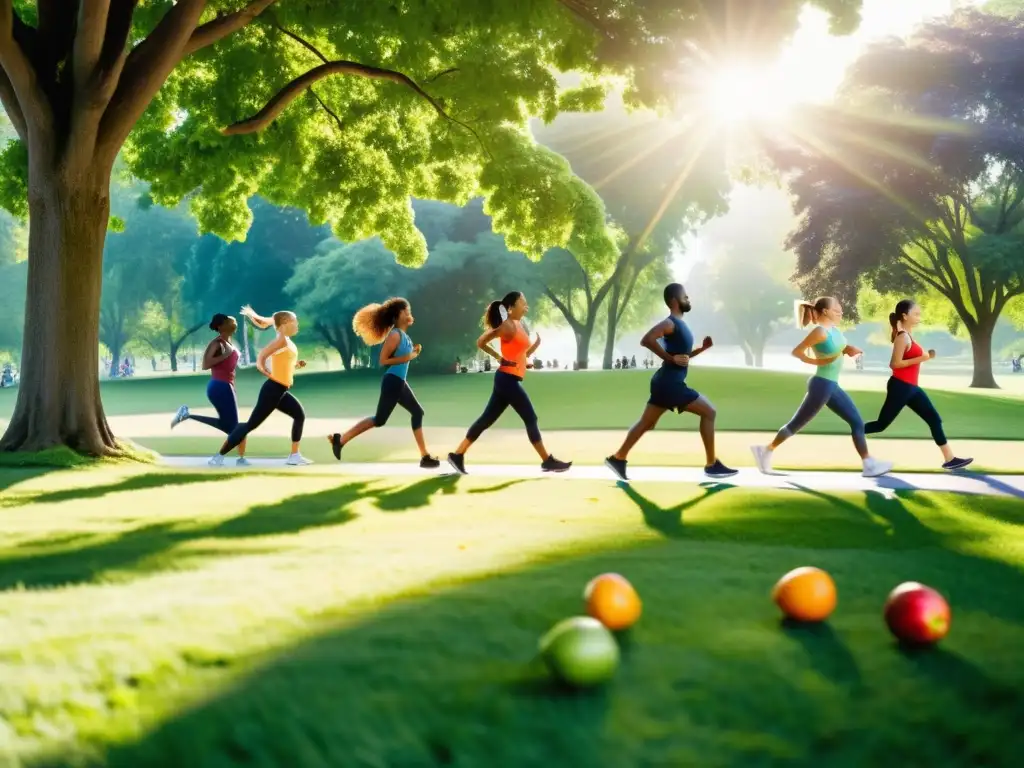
(823, 390)
(388, 323)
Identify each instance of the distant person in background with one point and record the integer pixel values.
(632, 362)
(1016, 363)
(672, 341)
(221, 360)
(902, 390)
(829, 346)
(387, 324)
(278, 362)
(503, 320)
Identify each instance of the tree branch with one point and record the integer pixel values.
(581, 11)
(216, 30)
(921, 274)
(88, 45)
(566, 312)
(31, 106)
(146, 70)
(328, 110)
(303, 42)
(286, 95)
(187, 333)
(12, 106)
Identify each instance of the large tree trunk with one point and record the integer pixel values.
(59, 397)
(613, 323)
(981, 347)
(583, 335)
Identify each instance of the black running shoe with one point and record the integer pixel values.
(336, 445)
(718, 469)
(429, 462)
(954, 464)
(458, 463)
(551, 464)
(618, 467)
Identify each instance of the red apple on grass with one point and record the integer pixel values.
(917, 614)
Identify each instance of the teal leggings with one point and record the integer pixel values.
(821, 393)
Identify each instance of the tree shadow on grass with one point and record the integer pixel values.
(11, 476)
(451, 680)
(416, 495)
(143, 482)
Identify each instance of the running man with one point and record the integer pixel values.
(823, 388)
(283, 358)
(672, 341)
(388, 323)
(503, 320)
(902, 390)
(221, 360)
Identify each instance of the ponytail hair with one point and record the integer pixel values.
(494, 316)
(903, 307)
(806, 312)
(374, 322)
(280, 318)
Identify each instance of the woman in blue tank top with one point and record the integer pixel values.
(387, 323)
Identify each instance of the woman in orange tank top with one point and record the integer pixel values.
(503, 321)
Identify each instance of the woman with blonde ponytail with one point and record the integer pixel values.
(829, 345)
(386, 324)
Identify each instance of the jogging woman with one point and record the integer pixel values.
(672, 341)
(221, 360)
(283, 358)
(503, 321)
(388, 323)
(823, 388)
(902, 390)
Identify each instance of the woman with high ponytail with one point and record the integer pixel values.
(902, 390)
(387, 324)
(503, 320)
(823, 390)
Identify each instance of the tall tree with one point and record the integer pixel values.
(929, 195)
(365, 105)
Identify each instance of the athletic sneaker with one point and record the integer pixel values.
(876, 467)
(298, 460)
(618, 467)
(458, 463)
(430, 462)
(216, 460)
(551, 464)
(182, 415)
(954, 464)
(718, 469)
(762, 458)
(243, 462)
(336, 445)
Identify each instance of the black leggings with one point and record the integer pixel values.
(898, 395)
(394, 390)
(508, 391)
(272, 397)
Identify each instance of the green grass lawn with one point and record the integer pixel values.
(746, 401)
(176, 619)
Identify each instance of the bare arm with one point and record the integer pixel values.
(258, 320)
(214, 355)
(704, 347)
(505, 330)
(267, 351)
(650, 341)
(899, 348)
(800, 350)
(533, 347)
(388, 349)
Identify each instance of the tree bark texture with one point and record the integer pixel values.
(981, 349)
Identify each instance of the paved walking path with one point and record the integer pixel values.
(965, 482)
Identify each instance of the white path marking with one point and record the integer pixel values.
(965, 482)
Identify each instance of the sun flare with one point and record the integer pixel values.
(736, 95)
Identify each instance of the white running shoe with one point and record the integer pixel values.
(183, 414)
(876, 467)
(216, 461)
(298, 460)
(243, 462)
(762, 458)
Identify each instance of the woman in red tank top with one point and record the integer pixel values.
(503, 320)
(221, 360)
(903, 391)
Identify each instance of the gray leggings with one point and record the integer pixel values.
(820, 393)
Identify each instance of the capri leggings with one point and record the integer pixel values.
(222, 396)
(273, 396)
(394, 390)
(900, 395)
(508, 391)
(823, 392)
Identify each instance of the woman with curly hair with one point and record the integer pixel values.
(503, 321)
(388, 323)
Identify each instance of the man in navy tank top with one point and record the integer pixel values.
(672, 341)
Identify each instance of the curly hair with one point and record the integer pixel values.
(373, 322)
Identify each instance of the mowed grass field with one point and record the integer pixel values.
(164, 619)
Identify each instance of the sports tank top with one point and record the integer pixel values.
(515, 350)
(225, 369)
(404, 348)
(911, 373)
(282, 364)
(834, 344)
(679, 342)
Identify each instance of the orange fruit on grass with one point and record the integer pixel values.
(611, 599)
(806, 594)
